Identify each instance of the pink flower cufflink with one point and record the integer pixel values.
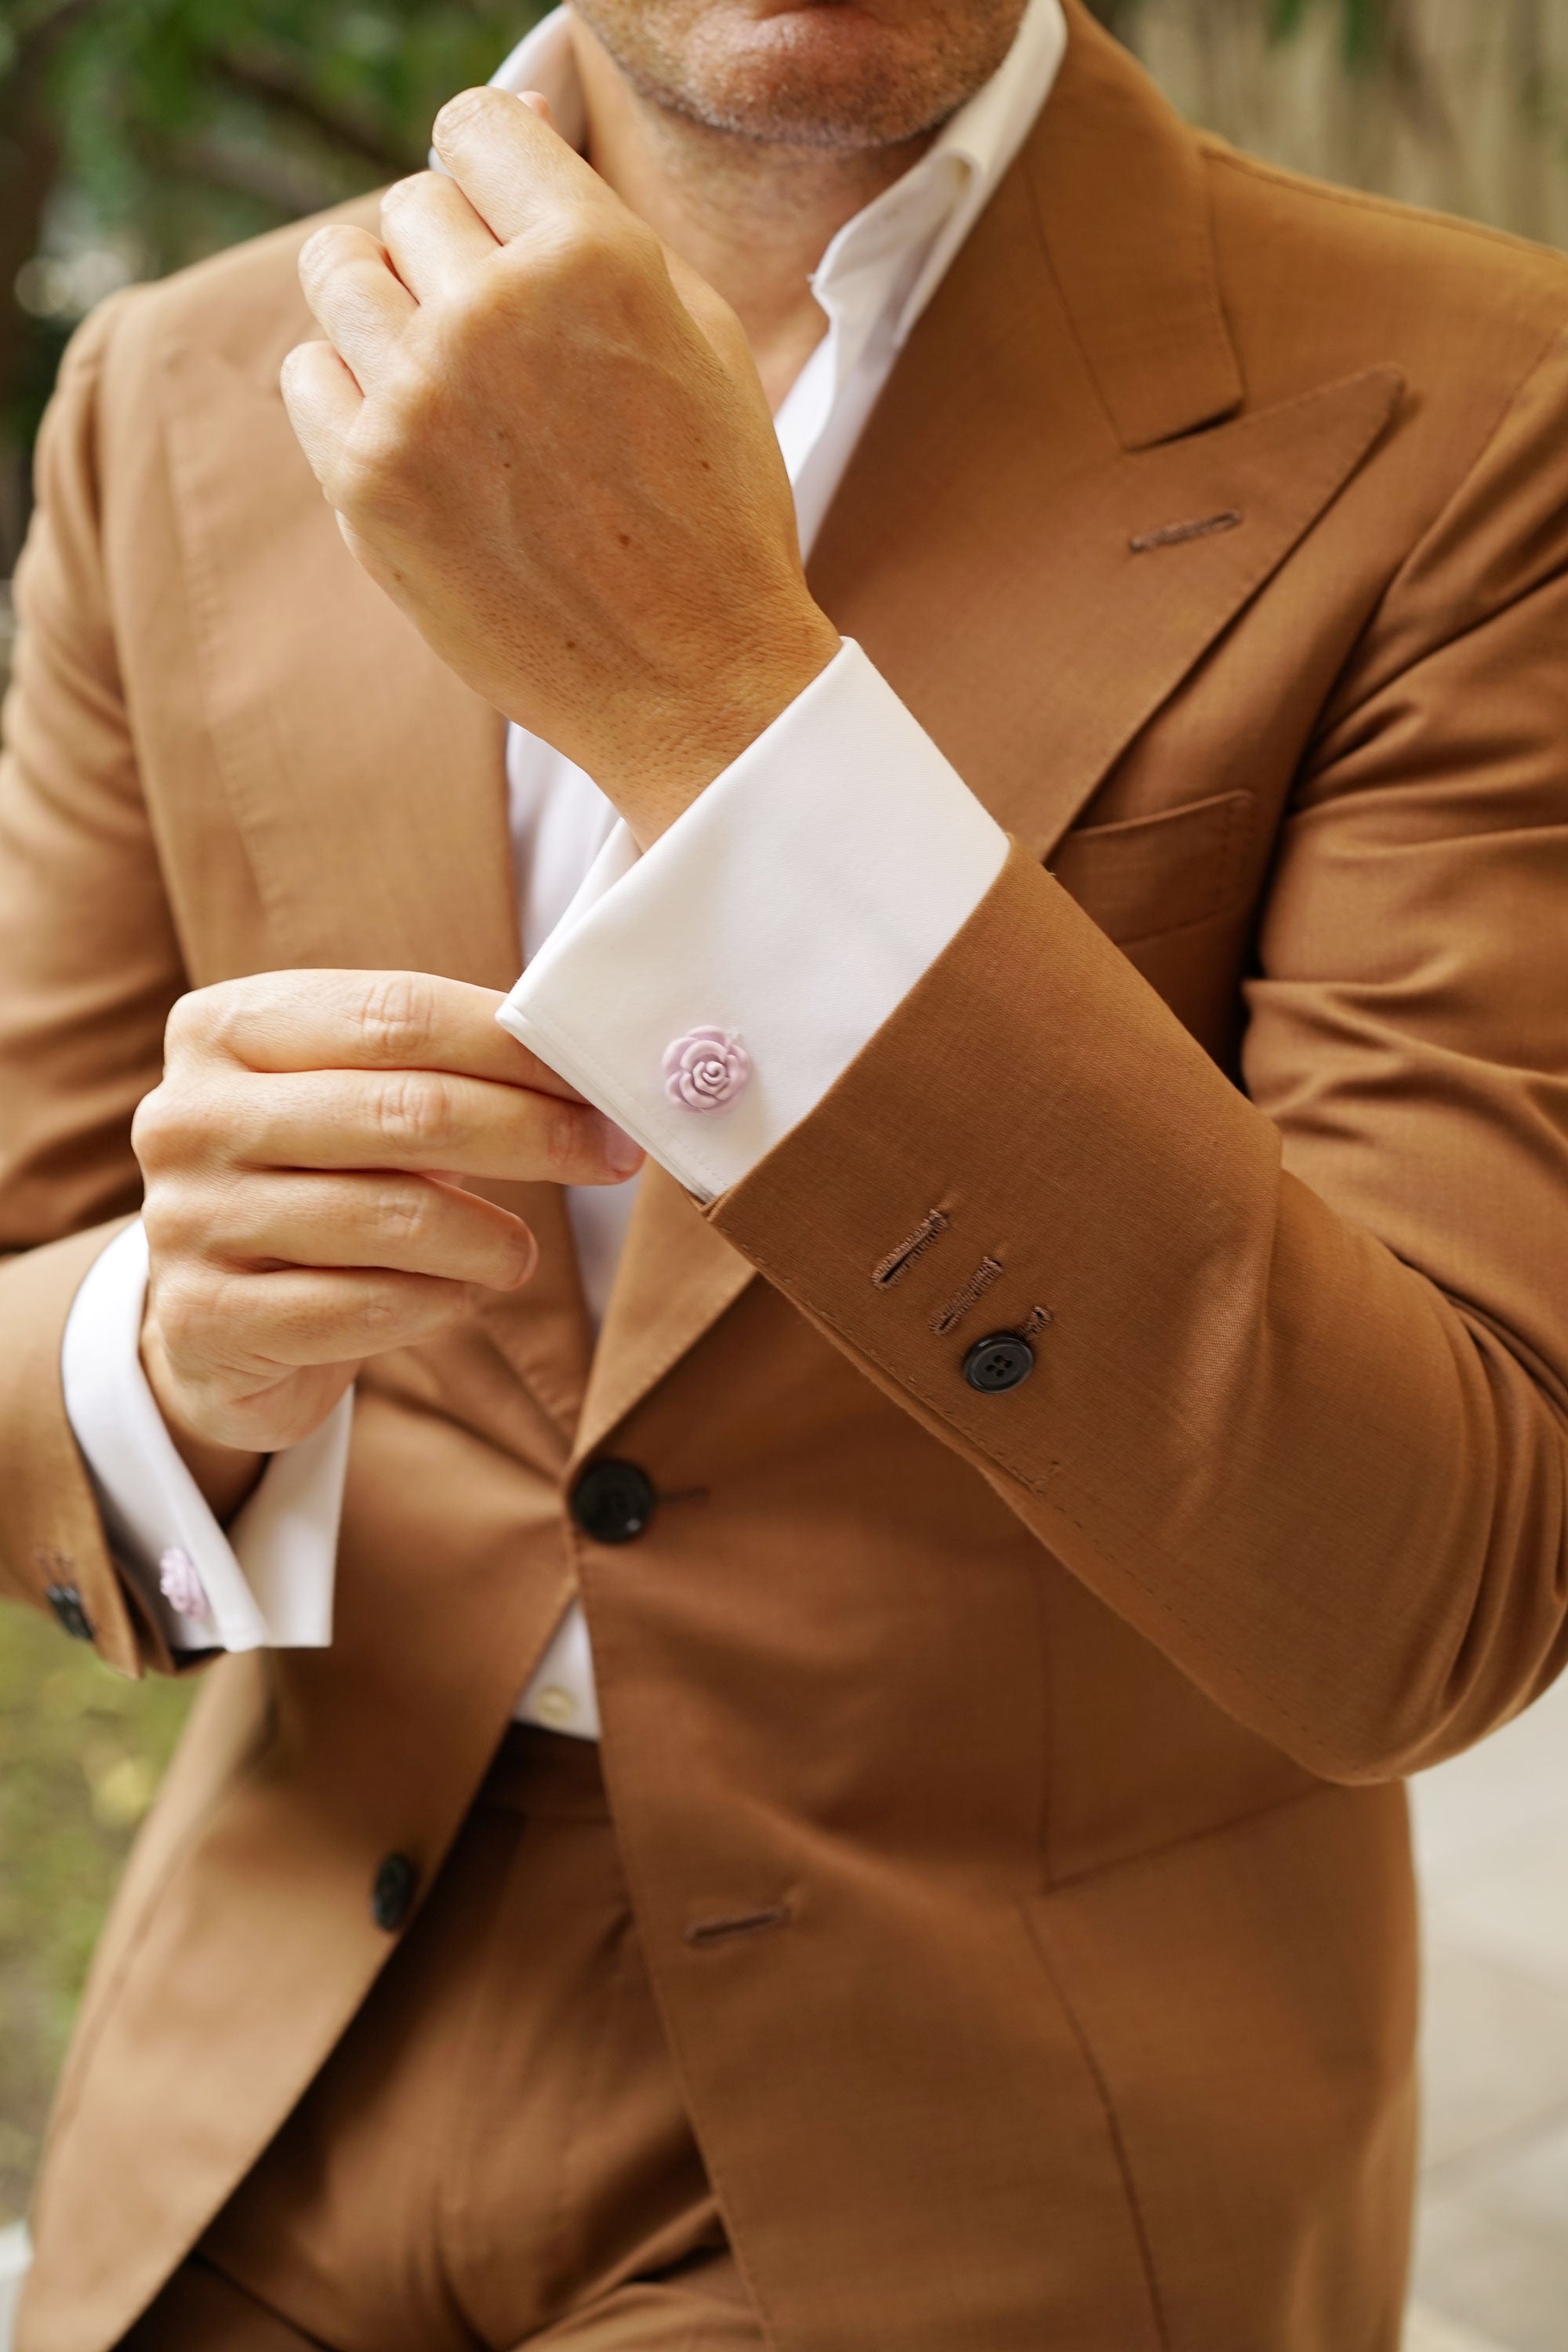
(706, 1069)
(180, 1582)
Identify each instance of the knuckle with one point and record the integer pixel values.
(223, 1018)
(185, 1307)
(222, 1023)
(417, 1110)
(321, 251)
(579, 251)
(313, 252)
(398, 1017)
(224, 1312)
(404, 1219)
(197, 1020)
(563, 1150)
(468, 106)
(168, 1128)
(397, 1311)
(379, 1313)
(147, 1126)
(177, 1215)
(471, 313)
(371, 474)
(414, 187)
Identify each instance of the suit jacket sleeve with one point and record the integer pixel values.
(89, 968)
(1301, 1414)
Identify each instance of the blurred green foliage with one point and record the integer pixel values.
(136, 135)
(1364, 25)
(81, 1755)
(178, 120)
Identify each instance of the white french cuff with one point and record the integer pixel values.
(708, 995)
(269, 1582)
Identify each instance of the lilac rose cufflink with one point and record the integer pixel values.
(180, 1582)
(706, 1069)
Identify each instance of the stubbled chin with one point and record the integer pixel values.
(826, 63)
(851, 74)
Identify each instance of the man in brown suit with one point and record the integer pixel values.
(1071, 1431)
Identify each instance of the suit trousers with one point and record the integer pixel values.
(497, 2153)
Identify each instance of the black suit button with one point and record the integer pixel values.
(391, 1896)
(1003, 1361)
(71, 1612)
(614, 1502)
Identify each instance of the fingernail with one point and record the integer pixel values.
(622, 1153)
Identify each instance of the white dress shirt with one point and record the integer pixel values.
(842, 826)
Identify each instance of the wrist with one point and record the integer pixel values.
(226, 1476)
(671, 759)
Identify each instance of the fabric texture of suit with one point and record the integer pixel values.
(1215, 525)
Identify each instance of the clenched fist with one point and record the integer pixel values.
(304, 1159)
(546, 439)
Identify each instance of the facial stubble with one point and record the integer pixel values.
(826, 75)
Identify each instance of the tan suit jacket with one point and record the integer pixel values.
(1214, 524)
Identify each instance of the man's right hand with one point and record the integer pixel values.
(304, 1160)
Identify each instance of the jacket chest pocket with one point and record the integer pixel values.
(1153, 874)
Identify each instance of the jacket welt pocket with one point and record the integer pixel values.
(1153, 874)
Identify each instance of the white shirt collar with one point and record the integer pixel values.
(912, 230)
(543, 60)
(925, 216)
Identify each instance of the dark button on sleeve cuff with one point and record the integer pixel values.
(1001, 1361)
(391, 1896)
(70, 1611)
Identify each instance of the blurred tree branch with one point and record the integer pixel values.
(144, 133)
(284, 96)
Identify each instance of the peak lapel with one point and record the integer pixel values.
(677, 1276)
(1124, 213)
(1057, 509)
(368, 783)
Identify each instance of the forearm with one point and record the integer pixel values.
(1335, 1501)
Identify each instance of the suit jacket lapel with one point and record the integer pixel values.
(677, 1276)
(1056, 510)
(367, 780)
(1038, 539)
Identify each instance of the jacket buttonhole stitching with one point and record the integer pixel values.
(749, 1923)
(1177, 534)
(958, 1306)
(897, 1262)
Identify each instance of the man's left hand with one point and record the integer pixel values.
(546, 440)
